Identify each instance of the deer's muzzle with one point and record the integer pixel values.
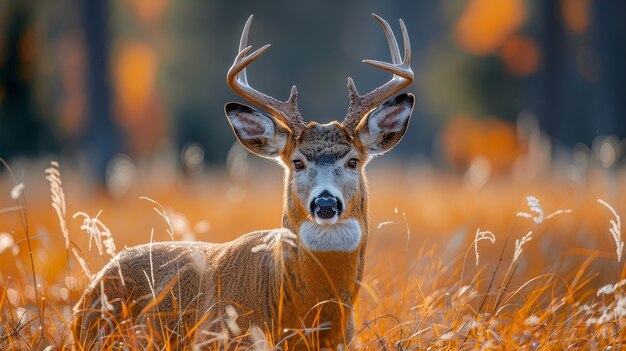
(326, 206)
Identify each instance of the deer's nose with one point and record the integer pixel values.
(326, 206)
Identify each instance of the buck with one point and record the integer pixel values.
(304, 277)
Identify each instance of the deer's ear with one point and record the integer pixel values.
(382, 128)
(258, 132)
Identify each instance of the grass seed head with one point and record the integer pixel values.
(17, 190)
(615, 230)
(519, 245)
(479, 236)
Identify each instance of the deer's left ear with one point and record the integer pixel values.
(257, 131)
(382, 128)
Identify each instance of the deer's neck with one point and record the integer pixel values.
(326, 264)
(328, 252)
(338, 245)
(344, 236)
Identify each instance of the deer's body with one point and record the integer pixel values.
(203, 278)
(306, 274)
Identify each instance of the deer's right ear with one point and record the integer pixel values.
(383, 127)
(258, 132)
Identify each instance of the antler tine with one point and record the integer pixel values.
(243, 43)
(402, 77)
(391, 39)
(287, 111)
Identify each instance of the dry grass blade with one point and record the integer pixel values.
(421, 300)
(20, 199)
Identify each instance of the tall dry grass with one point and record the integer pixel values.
(448, 266)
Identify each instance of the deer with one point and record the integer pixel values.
(303, 277)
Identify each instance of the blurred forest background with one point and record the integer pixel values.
(114, 85)
(514, 98)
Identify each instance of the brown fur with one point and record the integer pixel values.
(162, 294)
(174, 289)
(201, 279)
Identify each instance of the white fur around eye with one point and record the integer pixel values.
(344, 236)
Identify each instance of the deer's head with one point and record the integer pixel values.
(324, 163)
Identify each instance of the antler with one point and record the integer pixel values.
(402, 77)
(287, 111)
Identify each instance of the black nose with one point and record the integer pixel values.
(325, 205)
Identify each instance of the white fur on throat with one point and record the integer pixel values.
(342, 236)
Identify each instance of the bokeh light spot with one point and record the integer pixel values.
(485, 24)
(520, 55)
(135, 72)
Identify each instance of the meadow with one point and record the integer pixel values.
(454, 260)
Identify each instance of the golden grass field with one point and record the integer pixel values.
(423, 287)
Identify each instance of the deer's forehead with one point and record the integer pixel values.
(324, 143)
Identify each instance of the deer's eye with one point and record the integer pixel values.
(298, 165)
(353, 162)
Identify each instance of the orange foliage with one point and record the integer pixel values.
(576, 14)
(27, 53)
(140, 110)
(520, 55)
(485, 24)
(135, 70)
(149, 11)
(465, 138)
(72, 68)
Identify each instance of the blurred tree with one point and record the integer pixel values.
(132, 75)
(101, 140)
(23, 131)
(583, 79)
(609, 36)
